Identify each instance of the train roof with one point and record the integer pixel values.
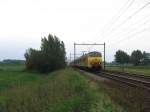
(94, 53)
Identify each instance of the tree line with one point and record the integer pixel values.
(12, 61)
(50, 57)
(136, 58)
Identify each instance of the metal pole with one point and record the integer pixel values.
(70, 57)
(104, 57)
(74, 51)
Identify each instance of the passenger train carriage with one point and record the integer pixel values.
(92, 60)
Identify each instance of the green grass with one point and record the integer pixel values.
(14, 75)
(103, 102)
(132, 69)
(61, 91)
(56, 92)
(12, 67)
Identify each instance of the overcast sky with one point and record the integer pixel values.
(24, 22)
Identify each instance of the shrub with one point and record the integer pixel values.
(50, 57)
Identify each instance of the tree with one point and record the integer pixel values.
(146, 58)
(50, 57)
(54, 50)
(136, 57)
(12, 61)
(122, 57)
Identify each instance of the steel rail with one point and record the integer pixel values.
(130, 80)
(126, 80)
(138, 76)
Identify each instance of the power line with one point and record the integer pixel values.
(147, 20)
(130, 17)
(121, 12)
(131, 36)
(136, 23)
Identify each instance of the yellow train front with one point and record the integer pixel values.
(92, 60)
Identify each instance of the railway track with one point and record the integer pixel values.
(128, 79)
(140, 85)
(133, 80)
(137, 76)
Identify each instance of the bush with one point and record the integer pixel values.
(50, 57)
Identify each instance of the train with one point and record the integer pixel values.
(91, 61)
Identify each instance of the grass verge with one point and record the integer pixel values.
(62, 91)
(133, 69)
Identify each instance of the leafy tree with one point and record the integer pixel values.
(50, 57)
(54, 50)
(136, 57)
(122, 57)
(145, 59)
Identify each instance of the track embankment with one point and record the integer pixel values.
(129, 90)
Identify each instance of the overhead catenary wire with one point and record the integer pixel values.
(137, 27)
(131, 16)
(89, 49)
(123, 9)
(137, 12)
(130, 36)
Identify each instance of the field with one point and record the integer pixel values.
(132, 69)
(61, 91)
